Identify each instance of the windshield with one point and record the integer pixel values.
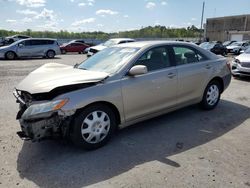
(226, 43)
(236, 44)
(109, 60)
(110, 43)
(204, 44)
(210, 45)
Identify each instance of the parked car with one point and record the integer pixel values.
(14, 38)
(227, 43)
(216, 48)
(118, 86)
(241, 64)
(109, 43)
(237, 47)
(30, 48)
(73, 47)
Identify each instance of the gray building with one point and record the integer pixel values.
(228, 28)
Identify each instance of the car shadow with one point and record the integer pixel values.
(243, 78)
(54, 164)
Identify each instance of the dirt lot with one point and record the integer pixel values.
(187, 148)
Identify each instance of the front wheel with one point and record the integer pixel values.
(93, 127)
(10, 55)
(211, 96)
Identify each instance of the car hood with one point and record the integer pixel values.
(244, 58)
(4, 47)
(54, 75)
(99, 47)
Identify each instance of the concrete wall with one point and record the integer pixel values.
(221, 28)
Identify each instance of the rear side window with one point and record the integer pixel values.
(41, 42)
(185, 55)
(76, 44)
(155, 59)
(50, 41)
(122, 42)
(27, 43)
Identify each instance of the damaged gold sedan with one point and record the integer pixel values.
(118, 86)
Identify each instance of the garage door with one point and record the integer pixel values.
(237, 37)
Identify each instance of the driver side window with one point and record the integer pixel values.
(155, 59)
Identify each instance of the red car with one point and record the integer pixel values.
(73, 47)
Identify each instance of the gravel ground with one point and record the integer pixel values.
(186, 148)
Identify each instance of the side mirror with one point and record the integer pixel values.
(20, 45)
(138, 70)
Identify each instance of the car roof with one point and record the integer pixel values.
(38, 39)
(142, 44)
(147, 44)
(121, 39)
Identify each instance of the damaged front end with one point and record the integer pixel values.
(41, 119)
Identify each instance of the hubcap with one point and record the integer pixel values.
(51, 54)
(213, 95)
(95, 127)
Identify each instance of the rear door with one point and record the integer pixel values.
(39, 47)
(193, 70)
(153, 91)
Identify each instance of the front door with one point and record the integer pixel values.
(153, 91)
(24, 48)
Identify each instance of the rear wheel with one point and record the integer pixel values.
(10, 55)
(211, 96)
(93, 127)
(50, 54)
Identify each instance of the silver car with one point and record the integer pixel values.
(117, 87)
(241, 64)
(31, 47)
(111, 42)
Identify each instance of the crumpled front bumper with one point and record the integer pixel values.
(43, 125)
(41, 128)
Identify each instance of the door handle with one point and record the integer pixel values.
(171, 75)
(208, 66)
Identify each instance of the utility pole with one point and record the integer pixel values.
(202, 15)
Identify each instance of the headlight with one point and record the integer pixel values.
(37, 109)
(237, 61)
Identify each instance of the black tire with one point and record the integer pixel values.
(207, 104)
(50, 54)
(76, 134)
(10, 55)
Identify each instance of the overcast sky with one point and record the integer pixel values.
(111, 15)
